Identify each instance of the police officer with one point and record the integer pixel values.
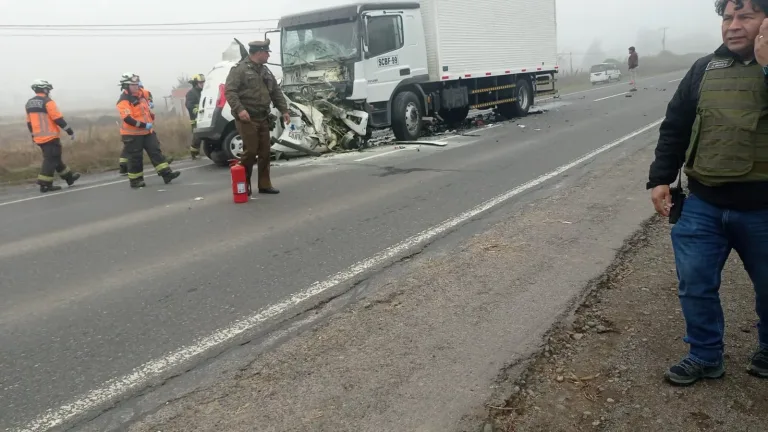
(137, 136)
(45, 123)
(717, 131)
(192, 102)
(250, 87)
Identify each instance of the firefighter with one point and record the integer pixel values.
(45, 123)
(123, 161)
(192, 103)
(136, 133)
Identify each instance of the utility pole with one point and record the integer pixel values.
(664, 38)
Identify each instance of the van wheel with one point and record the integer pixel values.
(406, 117)
(208, 148)
(232, 145)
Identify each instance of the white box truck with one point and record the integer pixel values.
(380, 65)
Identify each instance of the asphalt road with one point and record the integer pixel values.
(101, 279)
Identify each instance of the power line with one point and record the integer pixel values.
(127, 35)
(83, 26)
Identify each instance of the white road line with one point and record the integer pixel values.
(111, 390)
(84, 188)
(378, 155)
(609, 97)
(676, 80)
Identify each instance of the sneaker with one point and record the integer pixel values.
(688, 372)
(759, 365)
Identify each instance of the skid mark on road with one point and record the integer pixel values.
(114, 389)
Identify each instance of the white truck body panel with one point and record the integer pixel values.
(489, 37)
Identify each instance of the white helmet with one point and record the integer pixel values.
(129, 78)
(41, 84)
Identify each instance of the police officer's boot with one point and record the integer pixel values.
(169, 175)
(123, 169)
(49, 188)
(71, 178)
(137, 183)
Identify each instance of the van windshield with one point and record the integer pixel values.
(320, 42)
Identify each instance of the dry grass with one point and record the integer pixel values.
(96, 148)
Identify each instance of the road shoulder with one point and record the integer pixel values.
(603, 370)
(430, 347)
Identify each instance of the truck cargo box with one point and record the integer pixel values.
(470, 39)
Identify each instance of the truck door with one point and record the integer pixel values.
(391, 49)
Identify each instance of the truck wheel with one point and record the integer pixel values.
(522, 105)
(406, 117)
(232, 145)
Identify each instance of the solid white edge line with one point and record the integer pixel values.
(676, 80)
(379, 154)
(115, 387)
(84, 188)
(608, 97)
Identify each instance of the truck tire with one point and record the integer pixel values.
(406, 117)
(524, 101)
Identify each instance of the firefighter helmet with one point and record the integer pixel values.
(129, 78)
(41, 84)
(197, 78)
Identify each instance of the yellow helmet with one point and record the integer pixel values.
(197, 78)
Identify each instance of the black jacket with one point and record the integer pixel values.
(675, 135)
(192, 100)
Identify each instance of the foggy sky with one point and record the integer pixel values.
(85, 70)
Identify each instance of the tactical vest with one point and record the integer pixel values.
(729, 139)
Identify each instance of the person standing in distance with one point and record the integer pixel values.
(632, 64)
(249, 89)
(45, 123)
(717, 131)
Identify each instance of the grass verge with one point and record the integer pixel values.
(96, 148)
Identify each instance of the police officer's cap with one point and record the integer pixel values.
(258, 46)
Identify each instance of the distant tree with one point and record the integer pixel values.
(182, 82)
(594, 54)
(611, 60)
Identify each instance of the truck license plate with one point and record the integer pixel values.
(388, 61)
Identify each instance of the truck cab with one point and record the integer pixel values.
(356, 56)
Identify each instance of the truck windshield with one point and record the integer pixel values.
(323, 42)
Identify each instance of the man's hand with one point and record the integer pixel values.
(287, 118)
(244, 116)
(662, 200)
(761, 44)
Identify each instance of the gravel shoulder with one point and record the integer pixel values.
(430, 344)
(603, 369)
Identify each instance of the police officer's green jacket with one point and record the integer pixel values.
(251, 87)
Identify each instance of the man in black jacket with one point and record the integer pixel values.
(192, 102)
(716, 128)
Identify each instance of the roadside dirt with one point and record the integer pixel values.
(603, 370)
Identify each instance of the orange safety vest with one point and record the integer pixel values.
(135, 113)
(44, 119)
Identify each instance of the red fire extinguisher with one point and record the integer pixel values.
(239, 189)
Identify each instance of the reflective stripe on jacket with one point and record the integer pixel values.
(135, 113)
(44, 120)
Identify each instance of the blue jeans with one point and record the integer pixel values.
(702, 240)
